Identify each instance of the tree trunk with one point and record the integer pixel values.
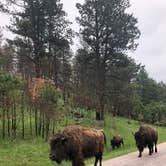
(53, 126)
(38, 68)
(14, 120)
(47, 128)
(55, 71)
(100, 111)
(100, 93)
(30, 120)
(43, 125)
(3, 123)
(40, 123)
(8, 122)
(22, 113)
(36, 121)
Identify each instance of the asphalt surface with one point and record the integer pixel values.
(131, 159)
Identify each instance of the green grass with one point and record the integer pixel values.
(35, 152)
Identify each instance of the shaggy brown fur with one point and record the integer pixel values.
(146, 136)
(76, 143)
(116, 141)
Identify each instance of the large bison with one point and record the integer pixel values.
(116, 141)
(76, 143)
(146, 136)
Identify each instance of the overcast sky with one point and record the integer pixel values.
(151, 15)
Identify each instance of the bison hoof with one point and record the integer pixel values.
(139, 156)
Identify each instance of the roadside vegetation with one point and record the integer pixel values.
(35, 152)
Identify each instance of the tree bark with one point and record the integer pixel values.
(3, 123)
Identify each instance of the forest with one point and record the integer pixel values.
(44, 84)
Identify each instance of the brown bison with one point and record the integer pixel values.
(76, 143)
(116, 141)
(146, 136)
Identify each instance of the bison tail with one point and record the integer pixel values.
(105, 141)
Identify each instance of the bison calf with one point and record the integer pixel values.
(76, 143)
(116, 141)
(146, 136)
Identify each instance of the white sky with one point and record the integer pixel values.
(151, 15)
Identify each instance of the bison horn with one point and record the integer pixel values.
(64, 139)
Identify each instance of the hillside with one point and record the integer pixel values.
(35, 152)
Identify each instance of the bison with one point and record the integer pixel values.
(76, 143)
(116, 141)
(146, 136)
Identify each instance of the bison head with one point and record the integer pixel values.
(57, 148)
(140, 141)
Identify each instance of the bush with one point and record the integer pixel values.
(155, 112)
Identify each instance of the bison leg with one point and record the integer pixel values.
(155, 149)
(155, 146)
(150, 149)
(140, 153)
(98, 157)
(78, 161)
(118, 145)
(96, 160)
(74, 163)
(150, 146)
(100, 160)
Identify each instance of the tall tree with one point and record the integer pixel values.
(7, 58)
(41, 28)
(148, 89)
(1, 61)
(1, 35)
(120, 84)
(108, 30)
(59, 36)
(84, 72)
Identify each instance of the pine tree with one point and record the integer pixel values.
(108, 30)
(41, 28)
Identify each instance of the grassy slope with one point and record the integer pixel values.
(35, 152)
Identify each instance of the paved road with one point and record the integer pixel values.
(131, 159)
